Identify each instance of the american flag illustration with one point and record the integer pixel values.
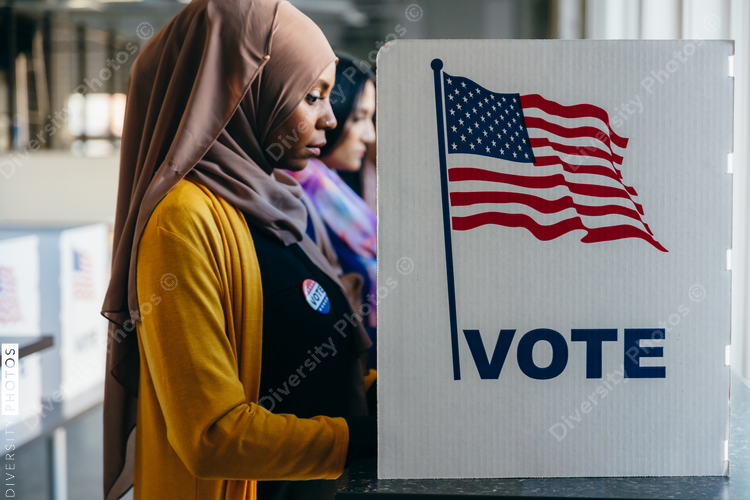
(555, 168)
(83, 282)
(10, 310)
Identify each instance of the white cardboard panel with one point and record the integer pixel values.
(679, 134)
(19, 286)
(84, 274)
(30, 386)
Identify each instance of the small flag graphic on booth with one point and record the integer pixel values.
(10, 309)
(83, 281)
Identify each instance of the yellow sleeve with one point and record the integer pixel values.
(211, 427)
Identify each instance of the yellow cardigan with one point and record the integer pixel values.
(200, 434)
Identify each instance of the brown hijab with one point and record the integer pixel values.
(202, 97)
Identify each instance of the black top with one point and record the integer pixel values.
(305, 360)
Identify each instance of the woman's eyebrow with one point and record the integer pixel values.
(323, 84)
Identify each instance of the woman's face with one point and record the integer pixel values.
(350, 151)
(302, 135)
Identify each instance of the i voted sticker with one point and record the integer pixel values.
(316, 296)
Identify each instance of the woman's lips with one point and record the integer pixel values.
(315, 148)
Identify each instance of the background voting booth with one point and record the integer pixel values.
(566, 208)
(62, 298)
(52, 283)
(19, 314)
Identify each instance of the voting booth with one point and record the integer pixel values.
(20, 316)
(19, 286)
(84, 275)
(558, 217)
(57, 278)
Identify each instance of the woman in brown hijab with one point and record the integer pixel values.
(210, 243)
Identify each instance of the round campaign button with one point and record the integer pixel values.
(316, 296)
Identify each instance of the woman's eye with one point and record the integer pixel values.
(313, 98)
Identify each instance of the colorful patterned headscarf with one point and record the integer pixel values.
(349, 220)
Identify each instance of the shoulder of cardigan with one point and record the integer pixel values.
(194, 214)
(188, 204)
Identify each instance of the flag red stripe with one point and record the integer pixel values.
(541, 182)
(575, 150)
(568, 132)
(463, 199)
(10, 311)
(545, 161)
(546, 233)
(575, 111)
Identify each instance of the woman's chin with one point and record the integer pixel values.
(335, 164)
(296, 164)
(353, 167)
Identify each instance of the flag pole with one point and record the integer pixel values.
(437, 66)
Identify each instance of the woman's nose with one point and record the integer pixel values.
(328, 119)
(369, 136)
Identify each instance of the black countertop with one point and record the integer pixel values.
(28, 345)
(361, 480)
